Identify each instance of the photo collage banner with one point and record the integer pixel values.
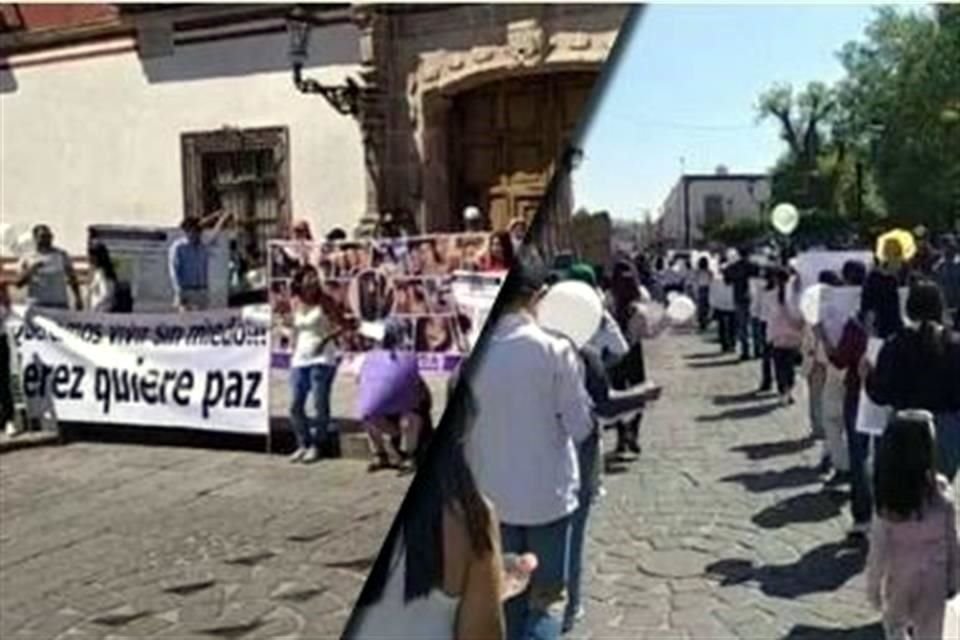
(409, 281)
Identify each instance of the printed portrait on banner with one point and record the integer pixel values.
(407, 280)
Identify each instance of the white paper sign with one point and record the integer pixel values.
(872, 419)
(196, 370)
(810, 263)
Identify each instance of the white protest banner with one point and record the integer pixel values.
(195, 370)
(810, 263)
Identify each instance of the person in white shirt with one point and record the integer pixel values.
(721, 301)
(313, 366)
(532, 410)
(47, 272)
(702, 280)
(103, 283)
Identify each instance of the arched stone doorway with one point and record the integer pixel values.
(492, 95)
(504, 138)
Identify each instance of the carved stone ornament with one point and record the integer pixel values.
(526, 41)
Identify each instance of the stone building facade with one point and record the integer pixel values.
(144, 113)
(474, 105)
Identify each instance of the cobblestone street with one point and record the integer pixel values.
(117, 541)
(723, 529)
(720, 530)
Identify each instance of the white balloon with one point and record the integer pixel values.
(681, 310)
(572, 309)
(671, 296)
(810, 304)
(785, 218)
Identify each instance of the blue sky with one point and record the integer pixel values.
(686, 86)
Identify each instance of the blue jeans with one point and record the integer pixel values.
(318, 379)
(861, 497)
(588, 458)
(537, 614)
(948, 443)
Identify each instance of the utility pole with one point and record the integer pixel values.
(686, 202)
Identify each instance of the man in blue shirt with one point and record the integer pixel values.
(190, 265)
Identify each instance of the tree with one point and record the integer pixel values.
(803, 118)
(899, 103)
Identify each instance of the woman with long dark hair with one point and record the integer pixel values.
(440, 573)
(103, 285)
(625, 296)
(314, 363)
(919, 368)
(912, 569)
(501, 256)
(785, 333)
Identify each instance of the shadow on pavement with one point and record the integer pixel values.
(764, 450)
(725, 400)
(704, 355)
(804, 508)
(713, 364)
(821, 570)
(772, 480)
(807, 632)
(743, 413)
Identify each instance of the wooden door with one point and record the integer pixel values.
(505, 138)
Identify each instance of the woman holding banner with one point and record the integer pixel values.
(314, 363)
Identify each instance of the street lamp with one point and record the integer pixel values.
(343, 98)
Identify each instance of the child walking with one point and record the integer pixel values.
(912, 567)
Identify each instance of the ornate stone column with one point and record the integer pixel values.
(374, 48)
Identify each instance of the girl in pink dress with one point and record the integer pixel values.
(912, 569)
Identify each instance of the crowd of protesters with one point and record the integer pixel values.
(886, 359)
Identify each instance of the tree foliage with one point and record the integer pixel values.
(896, 111)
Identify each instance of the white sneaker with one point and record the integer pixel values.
(311, 455)
(298, 455)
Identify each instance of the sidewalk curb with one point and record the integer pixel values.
(28, 440)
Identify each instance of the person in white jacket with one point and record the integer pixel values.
(531, 412)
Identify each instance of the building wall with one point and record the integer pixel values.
(97, 139)
(738, 203)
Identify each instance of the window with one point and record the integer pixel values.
(245, 172)
(713, 210)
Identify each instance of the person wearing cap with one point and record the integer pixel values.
(531, 412)
(472, 220)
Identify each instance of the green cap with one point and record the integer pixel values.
(582, 272)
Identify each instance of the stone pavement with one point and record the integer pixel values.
(113, 541)
(722, 528)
